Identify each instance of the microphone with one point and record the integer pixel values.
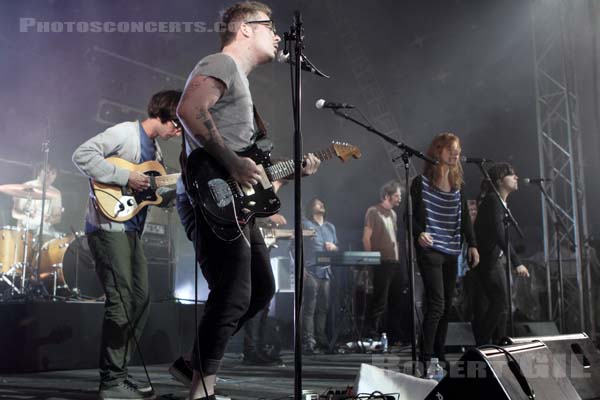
(283, 57)
(474, 160)
(529, 181)
(321, 103)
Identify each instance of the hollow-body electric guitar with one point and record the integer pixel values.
(119, 203)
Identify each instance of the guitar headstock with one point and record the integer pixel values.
(345, 150)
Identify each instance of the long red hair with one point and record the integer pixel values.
(437, 146)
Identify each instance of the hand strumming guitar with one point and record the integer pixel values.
(245, 171)
(138, 181)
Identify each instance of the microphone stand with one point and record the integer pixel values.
(508, 220)
(558, 225)
(297, 35)
(407, 153)
(299, 63)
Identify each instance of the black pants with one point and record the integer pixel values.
(254, 332)
(240, 281)
(383, 275)
(490, 312)
(438, 271)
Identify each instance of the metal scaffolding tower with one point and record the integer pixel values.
(560, 158)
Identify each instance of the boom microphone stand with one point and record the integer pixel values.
(558, 226)
(407, 153)
(508, 220)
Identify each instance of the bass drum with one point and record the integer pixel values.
(79, 269)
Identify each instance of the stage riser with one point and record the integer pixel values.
(58, 336)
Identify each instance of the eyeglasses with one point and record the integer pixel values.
(269, 23)
(176, 123)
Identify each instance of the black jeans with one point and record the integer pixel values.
(240, 281)
(438, 271)
(383, 275)
(491, 312)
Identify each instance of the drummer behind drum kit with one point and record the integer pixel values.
(20, 253)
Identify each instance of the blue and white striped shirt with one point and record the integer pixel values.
(442, 218)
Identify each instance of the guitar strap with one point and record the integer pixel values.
(260, 136)
(260, 124)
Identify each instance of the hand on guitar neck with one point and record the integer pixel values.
(310, 165)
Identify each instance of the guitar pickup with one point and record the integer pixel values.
(221, 192)
(248, 190)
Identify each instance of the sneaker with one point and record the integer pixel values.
(144, 386)
(182, 370)
(124, 391)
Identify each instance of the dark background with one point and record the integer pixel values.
(460, 66)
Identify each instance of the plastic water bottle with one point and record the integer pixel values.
(435, 370)
(384, 342)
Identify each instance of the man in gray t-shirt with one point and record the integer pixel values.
(233, 113)
(216, 110)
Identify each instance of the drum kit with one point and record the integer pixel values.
(32, 263)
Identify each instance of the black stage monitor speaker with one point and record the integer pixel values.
(459, 337)
(521, 371)
(546, 328)
(579, 358)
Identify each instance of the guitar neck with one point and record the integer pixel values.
(283, 169)
(166, 180)
(289, 233)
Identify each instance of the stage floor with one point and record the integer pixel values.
(236, 380)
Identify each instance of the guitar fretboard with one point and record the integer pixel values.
(166, 180)
(284, 169)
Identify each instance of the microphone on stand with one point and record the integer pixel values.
(474, 160)
(321, 103)
(529, 181)
(283, 57)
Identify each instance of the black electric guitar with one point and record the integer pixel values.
(226, 204)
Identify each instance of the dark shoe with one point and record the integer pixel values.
(310, 351)
(143, 387)
(182, 370)
(123, 391)
(272, 355)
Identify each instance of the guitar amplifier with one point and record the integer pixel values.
(158, 216)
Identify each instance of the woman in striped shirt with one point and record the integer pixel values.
(441, 221)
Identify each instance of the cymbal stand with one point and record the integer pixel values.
(45, 151)
(75, 292)
(26, 243)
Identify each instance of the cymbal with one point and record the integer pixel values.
(25, 191)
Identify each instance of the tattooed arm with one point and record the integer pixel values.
(200, 94)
